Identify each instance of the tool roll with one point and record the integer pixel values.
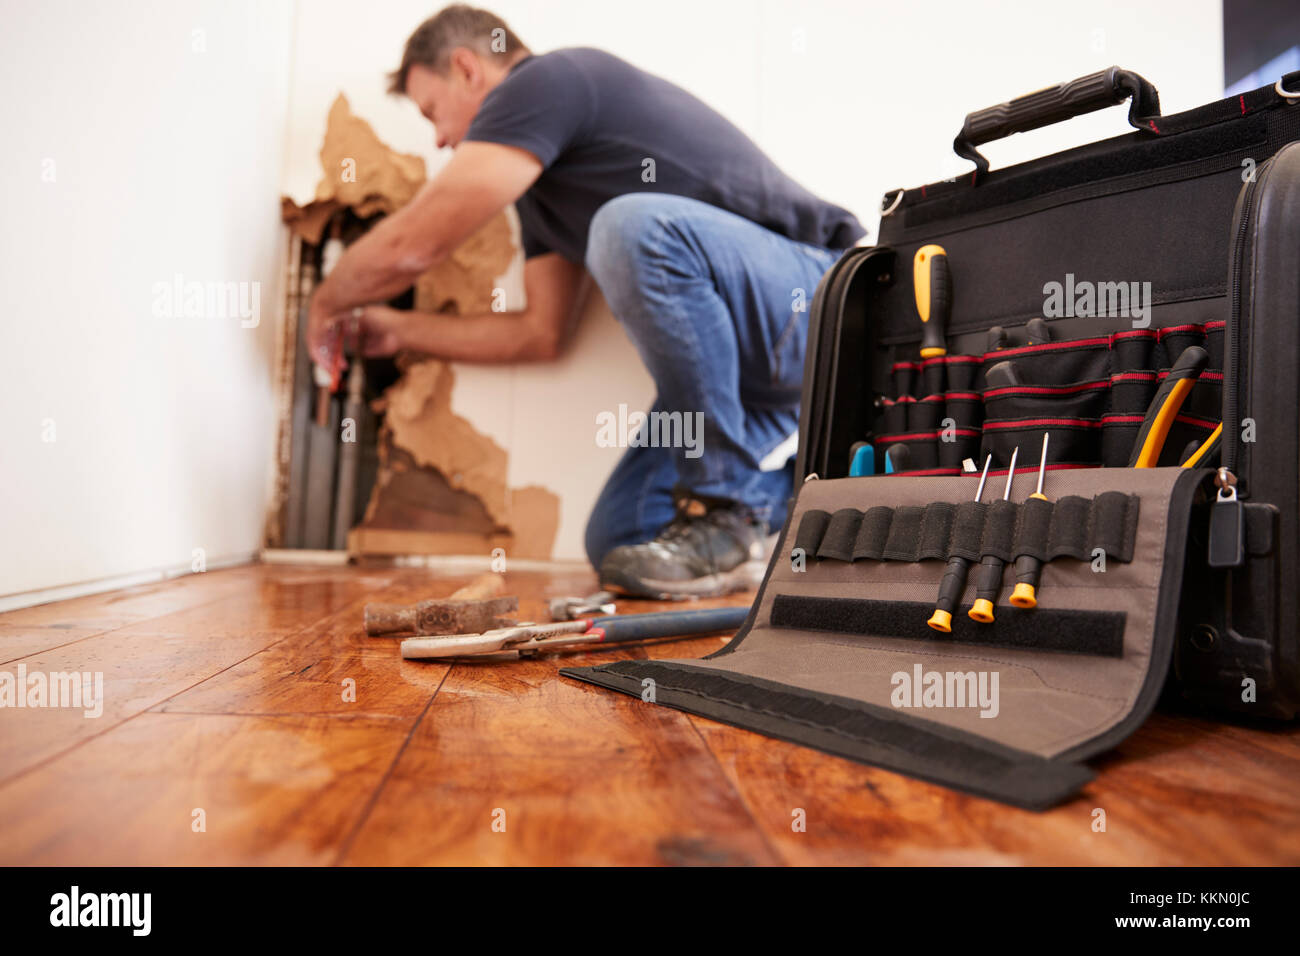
(843, 613)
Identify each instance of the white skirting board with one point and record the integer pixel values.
(433, 562)
(11, 602)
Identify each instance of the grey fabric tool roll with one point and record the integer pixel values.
(836, 655)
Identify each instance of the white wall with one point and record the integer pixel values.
(851, 98)
(165, 147)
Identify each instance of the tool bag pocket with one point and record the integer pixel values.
(935, 413)
(839, 652)
(1090, 394)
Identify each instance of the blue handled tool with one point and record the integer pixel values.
(617, 628)
(897, 457)
(862, 460)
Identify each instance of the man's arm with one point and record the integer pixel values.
(478, 182)
(538, 332)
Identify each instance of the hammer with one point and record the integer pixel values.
(475, 608)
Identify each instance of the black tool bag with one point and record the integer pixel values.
(1184, 233)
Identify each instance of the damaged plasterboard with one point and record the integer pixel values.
(441, 486)
(466, 282)
(361, 173)
(419, 418)
(364, 175)
(430, 454)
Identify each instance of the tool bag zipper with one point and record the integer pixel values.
(1232, 378)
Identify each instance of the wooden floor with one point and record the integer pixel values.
(224, 705)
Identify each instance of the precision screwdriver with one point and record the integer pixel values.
(954, 577)
(989, 577)
(1028, 567)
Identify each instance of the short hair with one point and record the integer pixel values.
(458, 25)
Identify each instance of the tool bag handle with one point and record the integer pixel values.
(1096, 91)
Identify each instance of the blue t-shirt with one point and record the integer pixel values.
(593, 120)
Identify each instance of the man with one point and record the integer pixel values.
(705, 251)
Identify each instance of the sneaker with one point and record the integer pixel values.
(704, 552)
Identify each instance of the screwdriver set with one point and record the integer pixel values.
(1050, 429)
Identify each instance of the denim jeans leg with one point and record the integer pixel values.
(636, 502)
(716, 306)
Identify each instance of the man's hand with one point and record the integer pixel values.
(381, 330)
(477, 183)
(371, 331)
(325, 327)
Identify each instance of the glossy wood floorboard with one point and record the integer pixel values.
(247, 719)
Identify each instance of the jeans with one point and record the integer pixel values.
(717, 306)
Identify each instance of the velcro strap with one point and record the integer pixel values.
(1095, 633)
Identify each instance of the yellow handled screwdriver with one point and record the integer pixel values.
(989, 579)
(1028, 567)
(954, 576)
(932, 285)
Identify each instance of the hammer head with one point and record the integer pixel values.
(466, 617)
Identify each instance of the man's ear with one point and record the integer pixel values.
(465, 65)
